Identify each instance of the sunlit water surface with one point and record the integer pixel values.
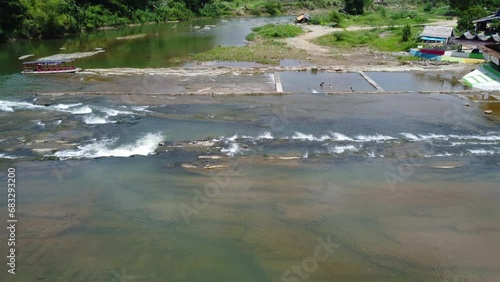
(404, 187)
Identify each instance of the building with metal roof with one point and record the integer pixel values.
(436, 34)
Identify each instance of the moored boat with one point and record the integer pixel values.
(53, 66)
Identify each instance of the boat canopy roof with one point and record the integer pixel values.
(48, 62)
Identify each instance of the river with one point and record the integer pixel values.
(299, 187)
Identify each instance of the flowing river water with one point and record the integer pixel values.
(299, 187)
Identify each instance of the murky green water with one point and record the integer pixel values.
(162, 43)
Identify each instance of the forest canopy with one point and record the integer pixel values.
(55, 18)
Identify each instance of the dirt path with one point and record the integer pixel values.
(303, 42)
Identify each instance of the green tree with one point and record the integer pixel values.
(495, 24)
(273, 8)
(12, 15)
(460, 5)
(354, 7)
(465, 22)
(336, 19)
(463, 5)
(406, 33)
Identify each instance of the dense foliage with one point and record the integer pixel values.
(55, 18)
(467, 11)
(462, 5)
(332, 18)
(465, 22)
(354, 7)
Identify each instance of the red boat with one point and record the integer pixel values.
(438, 52)
(58, 66)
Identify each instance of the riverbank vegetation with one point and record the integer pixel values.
(56, 18)
(394, 13)
(264, 48)
(390, 39)
(268, 51)
(274, 31)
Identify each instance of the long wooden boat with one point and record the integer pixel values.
(48, 67)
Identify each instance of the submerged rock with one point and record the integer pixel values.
(135, 36)
(289, 158)
(216, 166)
(189, 166)
(202, 144)
(210, 157)
(448, 165)
(488, 112)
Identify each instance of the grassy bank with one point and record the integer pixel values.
(264, 49)
(382, 39)
(270, 31)
(387, 17)
(379, 15)
(263, 52)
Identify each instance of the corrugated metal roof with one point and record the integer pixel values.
(487, 19)
(437, 31)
